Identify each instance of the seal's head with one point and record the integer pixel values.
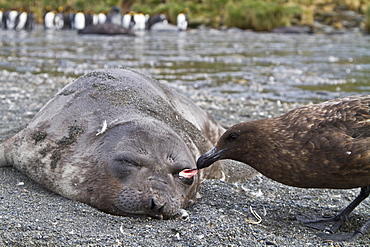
(142, 159)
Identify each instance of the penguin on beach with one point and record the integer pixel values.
(140, 21)
(114, 16)
(156, 18)
(30, 22)
(128, 20)
(59, 18)
(182, 20)
(48, 18)
(20, 20)
(10, 18)
(102, 18)
(79, 21)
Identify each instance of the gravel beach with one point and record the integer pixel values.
(256, 212)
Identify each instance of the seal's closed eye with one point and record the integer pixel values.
(122, 166)
(126, 161)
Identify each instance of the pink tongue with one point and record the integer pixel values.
(188, 173)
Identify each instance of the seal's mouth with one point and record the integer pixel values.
(151, 207)
(157, 216)
(137, 213)
(144, 214)
(188, 173)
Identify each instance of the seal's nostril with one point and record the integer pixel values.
(155, 206)
(152, 205)
(156, 209)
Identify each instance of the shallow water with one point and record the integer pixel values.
(296, 68)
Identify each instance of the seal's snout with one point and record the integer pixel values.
(156, 208)
(209, 158)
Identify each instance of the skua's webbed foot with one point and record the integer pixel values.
(330, 224)
(337, 237)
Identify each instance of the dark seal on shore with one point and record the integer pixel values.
(106, 29)
(116, 140)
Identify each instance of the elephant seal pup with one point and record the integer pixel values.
(106, 29)
(117, 140)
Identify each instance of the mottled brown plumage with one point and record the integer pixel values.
(316, 146)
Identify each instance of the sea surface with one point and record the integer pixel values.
(231, 64)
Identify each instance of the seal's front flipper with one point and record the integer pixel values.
(3, 159)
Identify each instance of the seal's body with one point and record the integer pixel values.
(116, 140)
